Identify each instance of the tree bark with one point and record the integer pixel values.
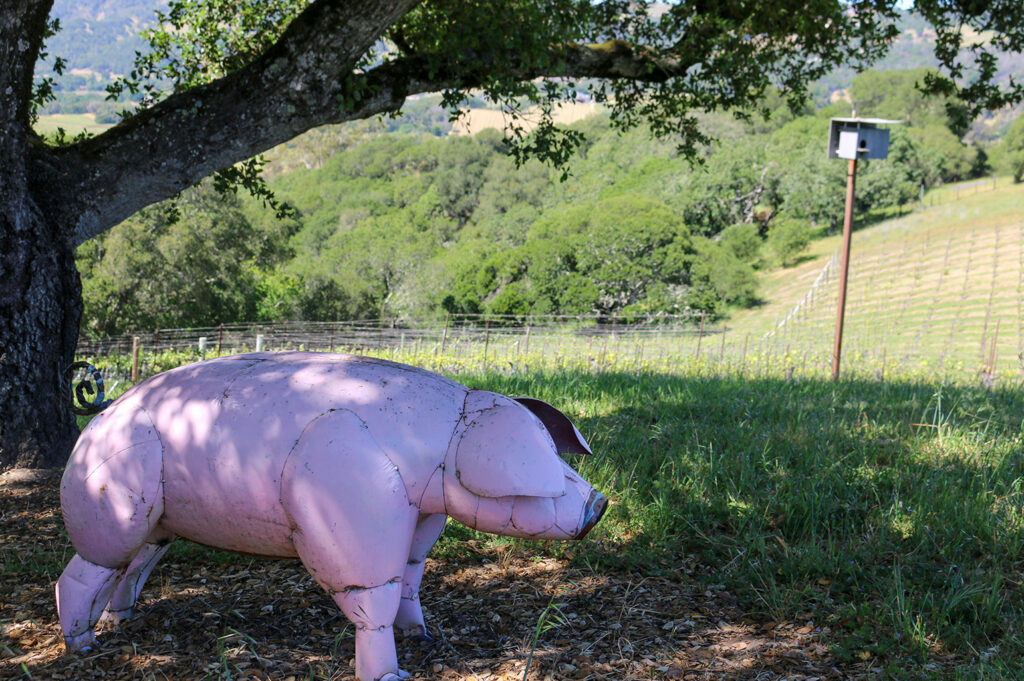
(40, 305)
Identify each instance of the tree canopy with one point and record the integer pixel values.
(228, 79)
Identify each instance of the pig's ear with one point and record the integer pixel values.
(567, 438)
(505, 451)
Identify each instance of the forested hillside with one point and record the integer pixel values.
(405, 223)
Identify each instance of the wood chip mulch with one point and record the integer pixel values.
(254, 620)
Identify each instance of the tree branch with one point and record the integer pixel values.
(304, 81)
(158, 152)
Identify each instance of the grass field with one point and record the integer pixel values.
(72, 124)
(890, 511)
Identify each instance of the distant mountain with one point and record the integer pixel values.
(98, 38)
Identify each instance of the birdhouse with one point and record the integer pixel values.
(859, 138)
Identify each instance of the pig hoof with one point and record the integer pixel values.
(415, 632)
(112, 618)
(390, 676)
(82, 643)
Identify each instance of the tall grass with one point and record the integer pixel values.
(892, 513)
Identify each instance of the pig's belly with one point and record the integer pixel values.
(243, 515)
(222, 473)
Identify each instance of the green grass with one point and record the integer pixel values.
(72, 123)
(891, 513)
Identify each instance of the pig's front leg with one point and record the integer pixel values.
(409, 621)
(352, 524)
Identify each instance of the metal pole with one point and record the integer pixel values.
(844, 268)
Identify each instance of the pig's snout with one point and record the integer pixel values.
(595, 508)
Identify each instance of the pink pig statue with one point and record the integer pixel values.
(351, 464)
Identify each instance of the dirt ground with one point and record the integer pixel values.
(252, 619)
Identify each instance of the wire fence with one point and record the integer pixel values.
(602, 342)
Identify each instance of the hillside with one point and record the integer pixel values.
(939, 289)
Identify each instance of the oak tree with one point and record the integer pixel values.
(228, 79)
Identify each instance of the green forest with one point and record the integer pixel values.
(395, 218)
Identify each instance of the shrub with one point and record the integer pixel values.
(787, 240)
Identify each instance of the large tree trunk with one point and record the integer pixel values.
(40, 293)
(40, 305)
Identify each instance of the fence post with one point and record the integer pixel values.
(526, 349)
(135, 359)
(444, 338)
(721, 352)
(992, 353)
(700, 333)
(487, 337)
(220, 337)
(259, 342)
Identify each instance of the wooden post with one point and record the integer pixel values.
(487, 337)
(721, 352)
(220, 337)
(844, 268)
(444, 337)
(992, 353)
(700, 333)
(526, 347)
(135, 359)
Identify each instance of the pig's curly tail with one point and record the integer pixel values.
(80, 403)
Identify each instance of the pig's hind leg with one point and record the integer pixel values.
(112, 499)
(409, 621)
(352, 525)
(128, 588)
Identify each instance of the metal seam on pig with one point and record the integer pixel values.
(284, 464)
(226, 393)
(430, 480)
(360, 587)
(456, 436)
(163, 453)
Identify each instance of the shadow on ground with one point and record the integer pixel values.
(204, 615)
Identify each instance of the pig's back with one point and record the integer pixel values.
(228, 425)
